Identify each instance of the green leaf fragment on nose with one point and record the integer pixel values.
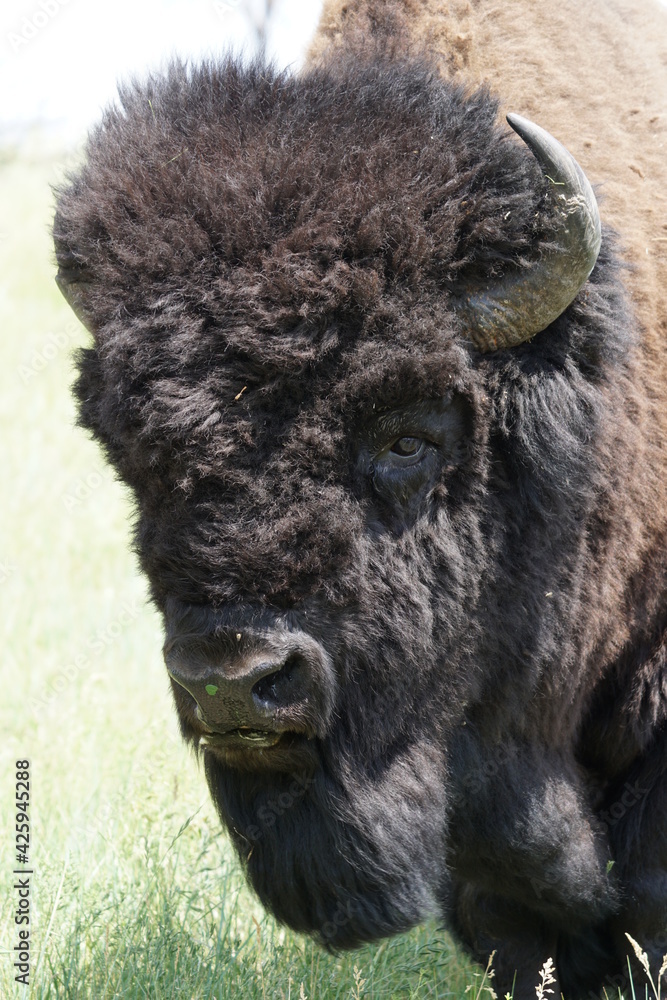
(211, 689)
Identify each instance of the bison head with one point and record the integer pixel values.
(362, 524)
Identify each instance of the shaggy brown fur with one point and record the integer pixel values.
(477, 639)
(593, 73)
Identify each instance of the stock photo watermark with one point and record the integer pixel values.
(270, 811)
(7, 570)
(34, 23)
(21, 950)
(40, 359)
(223, 7)
(83, 661)
(84, 488)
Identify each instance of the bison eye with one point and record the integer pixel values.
(406, 451)
(409, 447)
(403, 467)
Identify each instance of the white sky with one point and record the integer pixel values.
(60, 59)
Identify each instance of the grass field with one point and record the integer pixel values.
(135, 892)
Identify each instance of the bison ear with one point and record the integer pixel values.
(75, 290)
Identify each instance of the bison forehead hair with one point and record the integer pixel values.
(266, 263)
(428, 542)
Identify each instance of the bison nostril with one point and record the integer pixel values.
(280, 688)
(267, 688)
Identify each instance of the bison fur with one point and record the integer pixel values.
(477, 638)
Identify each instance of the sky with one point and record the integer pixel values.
(60, 59)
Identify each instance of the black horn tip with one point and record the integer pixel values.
(552, 156)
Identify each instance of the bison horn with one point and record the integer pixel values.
(520, 305)
(74, 294)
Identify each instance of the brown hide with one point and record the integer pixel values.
(593, 73)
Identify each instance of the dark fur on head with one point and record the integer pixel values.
(267, 264)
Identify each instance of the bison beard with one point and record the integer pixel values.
(413, 593)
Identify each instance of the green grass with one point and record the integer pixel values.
(135, 892)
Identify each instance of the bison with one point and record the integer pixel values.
(392, 404)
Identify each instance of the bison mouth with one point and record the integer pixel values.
(251, 693)
(249, 739)
(257, 737)
(259, 749)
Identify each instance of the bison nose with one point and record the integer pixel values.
(262, 690)
(245, 691)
